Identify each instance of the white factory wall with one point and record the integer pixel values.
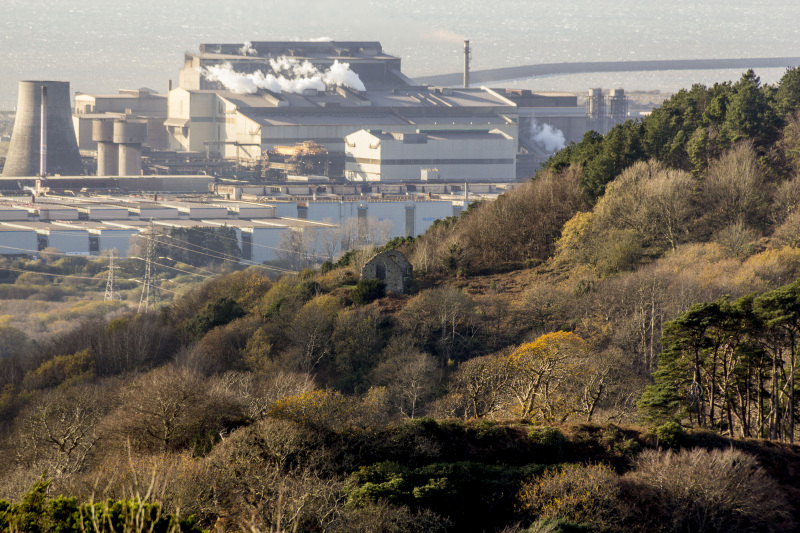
(69, 241)
(332, 136)
(367, 155)
(57, 213)
(13, 213)
(18, 242)
(200, 110)
(241, 129)
(121, 239)
(108, 213)
(207, 212)
(339, 212)
(255, 211)
(266, 243)
(166, 213)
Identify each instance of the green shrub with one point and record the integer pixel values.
(217, 313)
(670, 435)
(36, 513)
(368, 290)
(475, 496)
(16, 292)
(549, 442)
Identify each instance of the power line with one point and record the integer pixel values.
(47, 273)
(178, 269)
(220, 255)
(224, 257)
(72, 276)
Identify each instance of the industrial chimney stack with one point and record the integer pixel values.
(466, 63)
(43, 135)
(43, 140)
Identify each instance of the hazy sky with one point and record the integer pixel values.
(103, 45)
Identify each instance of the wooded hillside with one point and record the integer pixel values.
(609, 347)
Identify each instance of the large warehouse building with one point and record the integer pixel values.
(237, 101)
(242, 126)
(448, 155)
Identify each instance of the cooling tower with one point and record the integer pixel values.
(62, 147)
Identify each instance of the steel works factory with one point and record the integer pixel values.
(273, 137)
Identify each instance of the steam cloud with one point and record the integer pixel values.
(447, 36)
(248, 50)
(288, 75)
(552, 139)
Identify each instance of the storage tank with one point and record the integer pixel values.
(107, 151)
(61, 144)
(130, 136)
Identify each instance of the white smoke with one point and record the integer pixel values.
(552, 139)
(300, 85)
(341, 75)
(288, 75)
(241, 83)
(289, 66)
(248, 50)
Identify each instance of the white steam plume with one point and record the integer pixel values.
(248, 50)
(340, 74)
(241, 83)
(289, 75)
(552, 139)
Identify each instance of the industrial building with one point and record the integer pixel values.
(230, 125)
(207, 117)
(236, 102)
(91, 225)
(138, 105)
(376, 69)
(448, 155)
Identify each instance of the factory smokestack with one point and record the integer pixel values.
(43, 135)
(466, 63)
(37, 133)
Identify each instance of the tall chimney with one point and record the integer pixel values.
(466, 63)
(43, 135)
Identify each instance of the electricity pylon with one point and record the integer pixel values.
(111, 284)
(150, 297)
